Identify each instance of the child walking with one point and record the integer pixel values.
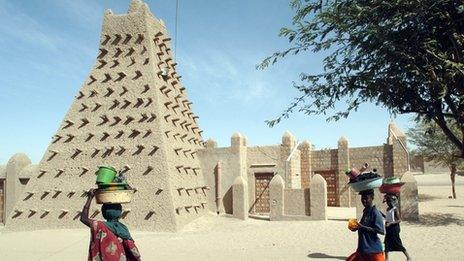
(392, 227)
(371, 224)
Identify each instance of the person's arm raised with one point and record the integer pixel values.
(85, 210)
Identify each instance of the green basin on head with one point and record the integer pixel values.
(105, 174)
(112, 186)
(391, 180)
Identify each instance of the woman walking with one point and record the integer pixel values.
(392, 227)
(110, 240)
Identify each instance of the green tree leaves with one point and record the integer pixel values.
(406, 55)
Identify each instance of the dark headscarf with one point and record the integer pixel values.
(112, 213)
(367, 192)
(393, 199)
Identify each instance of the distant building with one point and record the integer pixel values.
(297, 164)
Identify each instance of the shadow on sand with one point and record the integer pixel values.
(438, 219)
(426, 197)
(455, 206)
(322, 255)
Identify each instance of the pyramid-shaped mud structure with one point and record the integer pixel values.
(132, 113)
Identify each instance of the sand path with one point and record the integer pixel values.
(436, 237)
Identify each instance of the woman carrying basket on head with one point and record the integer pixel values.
(371, 224)
(392, 226)
(110, 240)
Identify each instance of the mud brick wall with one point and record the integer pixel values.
(378, 157)
(292, 166)
(266, 155)
(291, 199)
(399, 157)
(2, 198)
(295, 170)
(399, 154)
(240, 160)
(229, 170)
(305, 162)
(344, 195)
(417, 163)
(324, 160)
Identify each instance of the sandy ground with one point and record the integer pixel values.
(437, 180)
(436, 237)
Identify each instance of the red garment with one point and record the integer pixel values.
(106, 246)
(356, 256)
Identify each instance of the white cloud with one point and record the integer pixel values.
(255, 90)
(225, 76)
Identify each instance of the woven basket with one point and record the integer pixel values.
(114, 196)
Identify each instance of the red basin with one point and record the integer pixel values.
(391, 188)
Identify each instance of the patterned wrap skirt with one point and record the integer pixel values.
(106, 246)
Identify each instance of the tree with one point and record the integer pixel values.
(434, 146)
(405, 55)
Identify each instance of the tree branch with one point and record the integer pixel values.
(440, 120)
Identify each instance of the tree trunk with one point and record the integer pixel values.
(453, 178)
(441, 122)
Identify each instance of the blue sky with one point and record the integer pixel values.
(47, 48)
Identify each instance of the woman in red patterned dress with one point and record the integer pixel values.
(110, 240)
